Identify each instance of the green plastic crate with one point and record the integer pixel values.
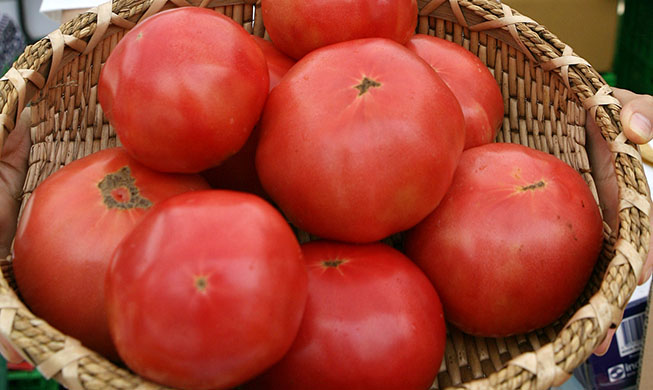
(634, 54)
(3, 374)
(29, 380)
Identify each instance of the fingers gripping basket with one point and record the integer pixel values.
(547, 91)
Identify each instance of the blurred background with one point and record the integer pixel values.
(22, 19)
(25, 13)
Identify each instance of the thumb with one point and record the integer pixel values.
(602, 349)
(636, 115)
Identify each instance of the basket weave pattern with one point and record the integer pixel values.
(547, 92)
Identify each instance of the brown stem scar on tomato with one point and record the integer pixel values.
(333, 263)
(201, 284)
(534, 186)
(119, 191)
(366, 84)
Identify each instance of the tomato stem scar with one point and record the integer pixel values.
(534, 186)
(119, 191)
(201, 283)
(366, 84)
(334, 263)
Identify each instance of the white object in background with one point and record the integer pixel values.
(53, 8)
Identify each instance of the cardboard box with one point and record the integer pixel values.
(645, 381)
(619, 368)
(646, 362)
(588, 26)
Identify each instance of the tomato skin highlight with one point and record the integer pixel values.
(372, 321)
(69, 230)
(207, 292)
(170, 80)
(352, 148)
(513, 242)
(299, 27)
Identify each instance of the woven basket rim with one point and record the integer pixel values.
(552, 363)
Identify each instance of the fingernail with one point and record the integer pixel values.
(641, 125)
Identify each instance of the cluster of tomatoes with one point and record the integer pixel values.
(178, 258)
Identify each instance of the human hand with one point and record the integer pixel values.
(636, 115)
(13, 168)
(636, 118)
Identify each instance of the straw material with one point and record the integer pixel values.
(547, 92)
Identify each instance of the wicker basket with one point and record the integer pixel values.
(547, 93)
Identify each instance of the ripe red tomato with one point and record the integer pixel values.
(238, 172)
(180, 99)
(299, 26)
(513, 242)
(372, 321)
(471, 82)
(207, 291)
(354, 146)
(69, 229)
(278, 63)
